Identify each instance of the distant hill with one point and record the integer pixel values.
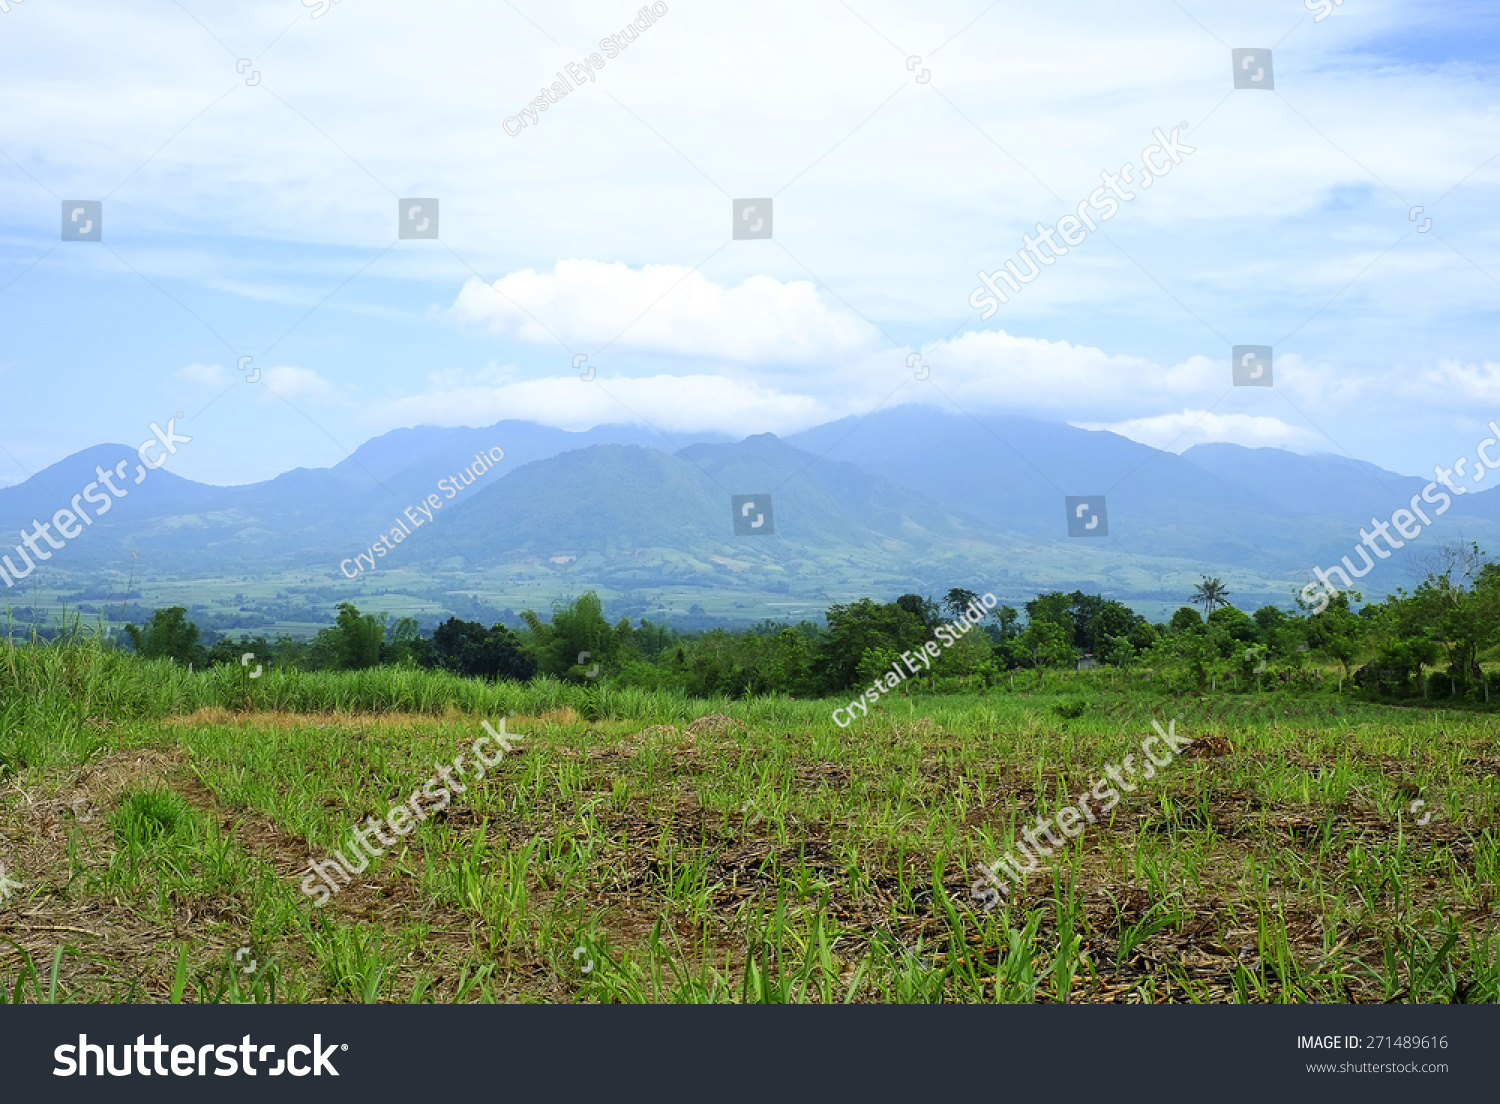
(909, 498)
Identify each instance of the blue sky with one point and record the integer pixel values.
(260, 220)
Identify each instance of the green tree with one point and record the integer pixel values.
(970, 659)
(1186, 619)
(1236, 622)
(784, 663)
(1118, 651)
(1008, 619)
(874, 664)
(958, 599)
(1105, 618)
(1054, 607)
(404, 644)
(856, 627)
(168, 635)
(353, 643)
(468, 648)
(1458, 606)
(230, 652)
(578, 639)
(1268, 621)
(1047, 644)
(925, 610)
(1336, 633)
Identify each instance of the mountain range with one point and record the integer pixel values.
(912, 498)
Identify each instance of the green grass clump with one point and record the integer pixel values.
(148, 817)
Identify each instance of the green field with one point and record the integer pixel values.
(641, 847)
(299, 603)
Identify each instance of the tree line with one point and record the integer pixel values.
(1446, 626)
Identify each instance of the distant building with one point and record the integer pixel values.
(1087, 662)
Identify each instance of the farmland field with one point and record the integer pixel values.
(156, 827)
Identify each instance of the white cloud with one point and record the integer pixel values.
(1471, 382)
(291, 382)
(995, 368)
(287, 380)
(667, 309)
(1178, 432)
(667, 403)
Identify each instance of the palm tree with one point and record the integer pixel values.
(1210, 594)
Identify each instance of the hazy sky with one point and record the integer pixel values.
(905, 147)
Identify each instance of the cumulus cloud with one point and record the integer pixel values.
(763, 331)
(995, 368)
(667, 309)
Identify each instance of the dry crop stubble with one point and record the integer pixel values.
(733, 851)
